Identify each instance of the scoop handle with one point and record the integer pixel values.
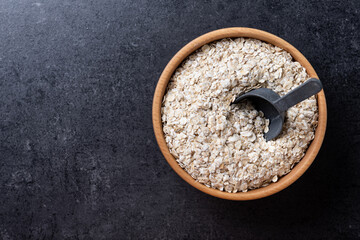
(299, 94)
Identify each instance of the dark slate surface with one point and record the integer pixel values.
(78, 159)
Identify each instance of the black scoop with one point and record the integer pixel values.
(273, 106)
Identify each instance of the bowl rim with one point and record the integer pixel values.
(234, 32)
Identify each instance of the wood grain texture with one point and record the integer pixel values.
(284, 181)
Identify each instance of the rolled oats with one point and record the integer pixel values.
(223, 146)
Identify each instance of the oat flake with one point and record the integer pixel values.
(223, 146)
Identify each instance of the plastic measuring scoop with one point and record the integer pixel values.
(273, 106)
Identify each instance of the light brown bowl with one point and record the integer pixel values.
(284, 181)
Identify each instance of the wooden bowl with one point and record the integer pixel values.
(284, 181)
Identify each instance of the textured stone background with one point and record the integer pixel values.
(78, 159)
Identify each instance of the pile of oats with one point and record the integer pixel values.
(223, 146)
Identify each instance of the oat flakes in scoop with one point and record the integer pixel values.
(223, 146)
